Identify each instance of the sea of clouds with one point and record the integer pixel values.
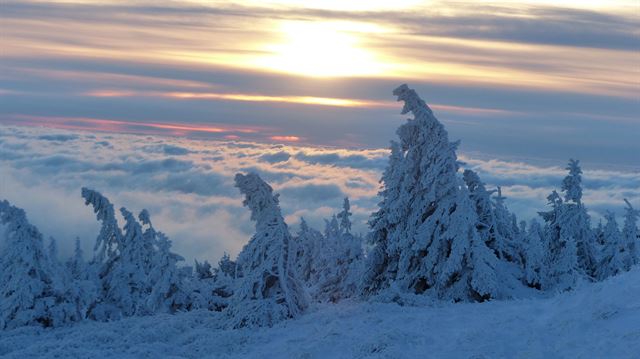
(187, 185)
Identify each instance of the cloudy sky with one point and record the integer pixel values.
(536, 80)
(157, 104)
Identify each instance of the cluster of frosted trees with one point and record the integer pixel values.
(438, 233)
(133, 271)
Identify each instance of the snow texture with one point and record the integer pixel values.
(597, 320)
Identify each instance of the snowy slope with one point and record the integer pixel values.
(600, 320)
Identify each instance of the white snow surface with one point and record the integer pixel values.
(600, 320)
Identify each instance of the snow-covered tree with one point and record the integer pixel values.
(27, 293)
(168, 293)
(426, 227)
(203, 270)
(337, 261)
(345, 222)
(615, 256)
(267, 290)
(332, 227)
(108, 241)
(481, 197)
(535, 256)
(212, 289)
(506, 231)
(126, 284)
(226, 266)
(630, 232)
(576, 221)
(309, 254)
(564, 270)
(82, 289)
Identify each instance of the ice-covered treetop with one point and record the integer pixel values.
(101, 205)
(259, 195)
(144, 217)
(571, 184)
(412, 102)
(631, 212)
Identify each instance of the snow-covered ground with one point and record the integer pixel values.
(600, 320)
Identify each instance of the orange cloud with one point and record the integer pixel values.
(305, 100)
(75, 123)
(286, 138)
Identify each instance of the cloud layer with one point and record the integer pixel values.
(516, 79)
(187, 185)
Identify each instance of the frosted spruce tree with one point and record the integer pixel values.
(127, 280)
(339, 260)
(563, 270)
(506, 230)
(165, 282)
(267, 290)
(27, 293)
(576, 221)
(535, 256)
(106, 253)
(213, 288)
(345, 221)
(108, 241)
(168, 293)
(309, 244)
(425, 231)
(481, 198)
(615, 256)
(630, 233)
(83, 289)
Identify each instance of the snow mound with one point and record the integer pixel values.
(600, 320)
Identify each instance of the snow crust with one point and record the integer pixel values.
(597, 320)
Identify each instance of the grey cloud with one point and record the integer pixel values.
(168, 149)
(336, 159)
(275, 157)
(311, 193)
(59, 138)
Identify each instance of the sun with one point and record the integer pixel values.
(326, 49)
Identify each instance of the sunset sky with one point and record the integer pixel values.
(531, 81)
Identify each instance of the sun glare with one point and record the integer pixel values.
(327, 49)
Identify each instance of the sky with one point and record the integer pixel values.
(158, 104)
(540, 81)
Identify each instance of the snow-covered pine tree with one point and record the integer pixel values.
(345, 222)
(332, 227)
(168, 293)
(82, 290)
(27, 293)
(339, 260)
(392, 208)
(226, 266)
(562, 252)
(614, 254)
(212, 289)
(106, 252)
(127, 281)
(164, 289)
(426, 226)
(506, 230)
(108, 241)
(203, 270)
(535, 256)
(481, 197)
(630, 232)
(309, 245)
(576, 220)
(267, 290)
